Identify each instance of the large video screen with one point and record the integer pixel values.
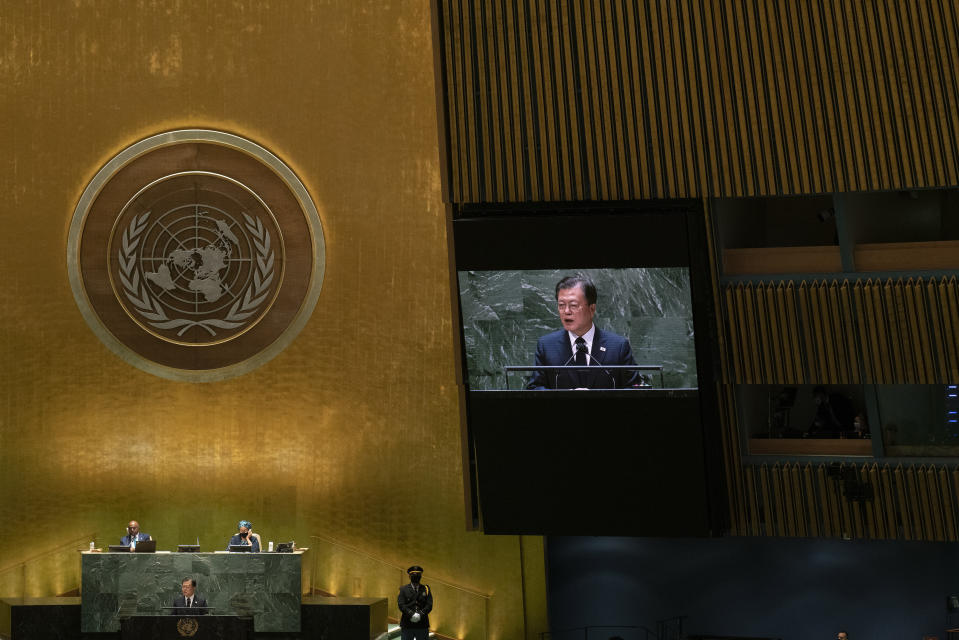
(505, 313)
(615, 380)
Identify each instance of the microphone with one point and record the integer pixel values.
(581, 348)
(598, 363)
(556, 381)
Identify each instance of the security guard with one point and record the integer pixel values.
(415, 601)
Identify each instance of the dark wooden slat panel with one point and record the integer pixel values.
(600, 100)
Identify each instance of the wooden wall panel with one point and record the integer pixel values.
(909, 502)
(814, 332)
(554, 100)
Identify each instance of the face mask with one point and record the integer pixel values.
(415, 578)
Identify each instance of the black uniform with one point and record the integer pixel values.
(415, 598)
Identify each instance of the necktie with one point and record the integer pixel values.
(189, 602)
(581, 351)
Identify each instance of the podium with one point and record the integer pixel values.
(168, 627)
(264, 586)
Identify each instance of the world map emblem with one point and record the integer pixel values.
(187, 627)
(196, 255)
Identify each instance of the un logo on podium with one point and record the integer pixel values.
(196, 255)
(187, 627)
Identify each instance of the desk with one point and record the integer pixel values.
(197, 627)
(265, 586)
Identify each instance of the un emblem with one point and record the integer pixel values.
(187, 627)
(196, 255)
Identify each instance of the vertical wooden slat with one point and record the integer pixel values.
(890, 486)
(795, 523)
(776, 310)
(927, 373)
(812, 504)
(795, 356)
(878, 504)
(950, 318)
(752, 500)
(572, 188)
(937, 529)
(752, 355)
(869, 519)
(924, 506)
(909, 503)
(948, 496)
(940, 352)
(777, 507)
(851, 349)
(760, 320)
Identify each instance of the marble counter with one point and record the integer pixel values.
(264, 585)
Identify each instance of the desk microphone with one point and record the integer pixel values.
(556, 382)
(581, 348)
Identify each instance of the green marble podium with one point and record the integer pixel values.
(265, 586)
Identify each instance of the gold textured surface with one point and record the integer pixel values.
(352, 431)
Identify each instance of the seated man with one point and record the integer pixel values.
(245, 536)
(133, 535)
(189, 603)
(580, 342)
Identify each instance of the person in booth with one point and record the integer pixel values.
(415, 602)
(580, 342)
(134, 535)
(245, 535)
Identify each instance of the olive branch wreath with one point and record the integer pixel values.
(138, 294)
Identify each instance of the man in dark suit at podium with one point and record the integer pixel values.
(189, 603)
(580, 342)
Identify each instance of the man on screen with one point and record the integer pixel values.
(580, 342)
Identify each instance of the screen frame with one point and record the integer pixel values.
(623, 234)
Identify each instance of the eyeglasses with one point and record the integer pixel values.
(572, 306)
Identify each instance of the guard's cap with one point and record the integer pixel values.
(415, 569)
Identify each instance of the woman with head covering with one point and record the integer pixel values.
(245, 536)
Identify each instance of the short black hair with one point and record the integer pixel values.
(570, 282)
(190, 580)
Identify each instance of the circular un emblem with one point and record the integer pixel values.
(187, 627)
(196, 255)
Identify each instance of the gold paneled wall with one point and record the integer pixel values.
(906, 331)
(909, 502)
(605, 100)
(353, 431)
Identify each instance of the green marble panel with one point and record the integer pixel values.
(505, 312)
(264, 585)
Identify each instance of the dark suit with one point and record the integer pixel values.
(412, 600)
(554, 349)
(195, 609)
(141, 537)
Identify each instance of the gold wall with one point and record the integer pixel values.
(353, 431)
